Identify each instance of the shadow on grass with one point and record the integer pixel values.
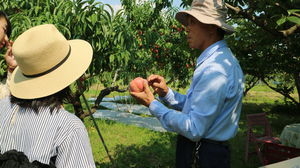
(159, 153)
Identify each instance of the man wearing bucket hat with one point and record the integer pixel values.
(210, 110)
(33, 120)
(5, 31)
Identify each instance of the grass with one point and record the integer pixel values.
(131, 146)
(134, 147)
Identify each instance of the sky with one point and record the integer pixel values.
(116, 4)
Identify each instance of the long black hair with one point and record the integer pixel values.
(54, 101)
(8, 27)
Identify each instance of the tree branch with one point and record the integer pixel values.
(236, 9)
(295, 14)
(106, 92)
(290, 31)
(259, 22)
(286, 95)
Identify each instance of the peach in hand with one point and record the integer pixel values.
(137, 84)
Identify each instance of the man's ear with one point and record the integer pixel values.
(212, 29)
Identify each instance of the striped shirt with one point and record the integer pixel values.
(45, 135)
(4, 85)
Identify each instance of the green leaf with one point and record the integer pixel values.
(36, 10)
(111, 9)
(291, 11)
(112, 58)
(281, 21)
(58, 7)
(94, 19)
(294, 19)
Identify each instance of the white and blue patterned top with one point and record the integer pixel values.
(211, 107)
(44, 135)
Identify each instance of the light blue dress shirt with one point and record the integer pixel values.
(212, 105)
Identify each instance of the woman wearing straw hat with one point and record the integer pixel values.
(32, 120)
(5, 31)
(210, 110)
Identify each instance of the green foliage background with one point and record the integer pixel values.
(133, 42)
(144, 38)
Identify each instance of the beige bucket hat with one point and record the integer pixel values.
(47, 62)
(207, 12)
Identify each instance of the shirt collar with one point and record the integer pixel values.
(209, 51)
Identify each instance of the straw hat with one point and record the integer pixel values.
(47, 62)
(207, 12)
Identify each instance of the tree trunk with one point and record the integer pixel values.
(76, 99)
(78, 107)
(297, 83)
(250, 84)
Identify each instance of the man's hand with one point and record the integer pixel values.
(158, 84)
(9, 58)
(145, 97)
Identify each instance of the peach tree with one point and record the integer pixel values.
(267, 43)
(141, 39)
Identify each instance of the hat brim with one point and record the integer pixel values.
(77, 63)
(182, 18)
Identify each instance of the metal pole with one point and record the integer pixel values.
(97, 128)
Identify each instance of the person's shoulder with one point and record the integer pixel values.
(68, 125)
(225, 51)
(70, 119)
(224, 55)
(5, 101)
(6, 107)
